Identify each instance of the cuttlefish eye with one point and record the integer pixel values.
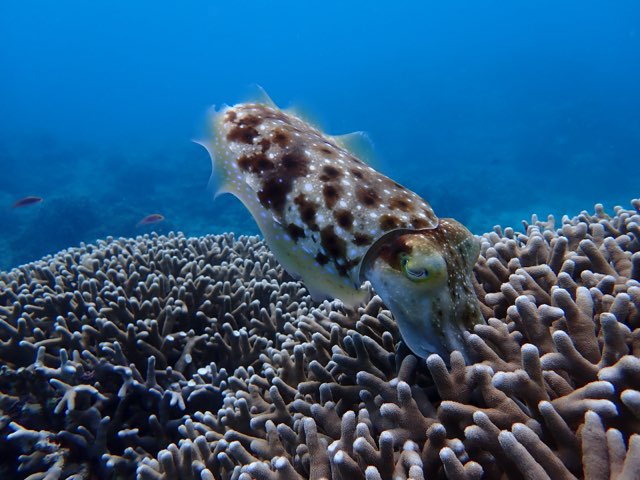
(430, 268)
(410, 270)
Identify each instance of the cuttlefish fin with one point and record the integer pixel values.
(261, 96)
(360, 145)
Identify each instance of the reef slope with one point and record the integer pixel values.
(199, 358)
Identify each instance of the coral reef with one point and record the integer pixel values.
(199, 358)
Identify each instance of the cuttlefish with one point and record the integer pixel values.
(334, 222)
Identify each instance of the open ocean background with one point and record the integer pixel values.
(491, 110)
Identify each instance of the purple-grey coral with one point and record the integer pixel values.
(175, 358)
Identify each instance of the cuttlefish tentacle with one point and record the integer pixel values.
(333, 221)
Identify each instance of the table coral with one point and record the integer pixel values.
(200, 358)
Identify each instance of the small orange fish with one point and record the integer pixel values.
(26, 201)
(150, 219)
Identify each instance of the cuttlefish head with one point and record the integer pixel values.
(424, 277)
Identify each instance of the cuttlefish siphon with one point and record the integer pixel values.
(334, 222)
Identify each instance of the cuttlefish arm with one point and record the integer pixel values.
(424, 277)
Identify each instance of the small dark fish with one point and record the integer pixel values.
(26, 201)
(150, 219)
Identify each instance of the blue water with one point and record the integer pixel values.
(491, 110)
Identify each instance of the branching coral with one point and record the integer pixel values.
(176, 358)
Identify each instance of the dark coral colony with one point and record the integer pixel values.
(166, 357)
